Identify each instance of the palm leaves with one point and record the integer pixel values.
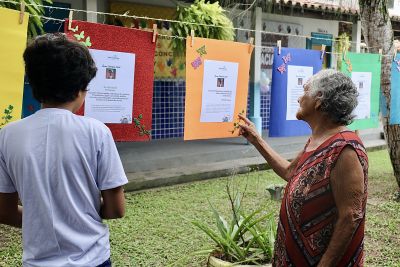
(245, 238)
(35, 25)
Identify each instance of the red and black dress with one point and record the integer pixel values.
(308, 211)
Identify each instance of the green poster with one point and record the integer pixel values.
(365, 71)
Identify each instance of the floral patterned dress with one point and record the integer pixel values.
(308, 211)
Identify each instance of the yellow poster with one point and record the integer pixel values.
(12, 45)
(216, 87)
(166, 64)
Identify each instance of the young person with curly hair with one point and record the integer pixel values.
(64, 168)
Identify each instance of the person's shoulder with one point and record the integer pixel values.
(352, 139)
(15, 126)
(350, 136)
(92, 124)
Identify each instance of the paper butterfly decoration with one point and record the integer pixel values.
(282, 68)
(74, 29)
(287, 58)
(87, 42)
(80, 36)
(202, 50)
(196, 63)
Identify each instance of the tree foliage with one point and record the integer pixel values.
(35, 25)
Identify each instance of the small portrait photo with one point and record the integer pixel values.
(111, 73)
(300, 81)
(220, 82)
(360, 85)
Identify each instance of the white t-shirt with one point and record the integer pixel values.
(58, 162)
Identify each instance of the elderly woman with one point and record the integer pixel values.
(322, 214)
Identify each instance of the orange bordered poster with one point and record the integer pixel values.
(217, 81)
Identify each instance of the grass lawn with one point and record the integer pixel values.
(157, 230)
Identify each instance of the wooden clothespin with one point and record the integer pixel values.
(154, 32)
(323, 47)
(22, 13)
(251, 43)
(71, 13)
(380, 54)
(192, 38)
(279, 45)
(395, 54)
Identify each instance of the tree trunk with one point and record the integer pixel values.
(378, 34)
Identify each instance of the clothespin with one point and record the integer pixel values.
(380, 54)
(192, 38)
(279, 45)
(251, 43)
(323, 47)
(154, 32)
(71, 13)
(22, 13)
(395, 54)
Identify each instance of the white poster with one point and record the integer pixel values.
(297, 77)
(219, 91)
(363, 80)
(110, 95)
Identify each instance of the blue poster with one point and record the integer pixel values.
(29, 104)
(290, 71)
(395, 92)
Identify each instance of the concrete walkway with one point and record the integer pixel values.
(172, 161)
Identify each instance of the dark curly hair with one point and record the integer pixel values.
(337, 93)
(58, 68)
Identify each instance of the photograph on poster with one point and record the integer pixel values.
(297, 76)
(218, 98)
(300, 81)
(111, 73)
(363, 82)
(220, 82)
(110, 96)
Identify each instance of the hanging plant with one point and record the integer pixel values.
(199, 17)
(342, 44)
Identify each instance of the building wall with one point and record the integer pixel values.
(309, 26)
(396, 8)
(165, 3)
(76, 4)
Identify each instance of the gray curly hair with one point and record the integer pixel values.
(338, 95)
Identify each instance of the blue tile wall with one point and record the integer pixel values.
(265, 108)
(169, 109)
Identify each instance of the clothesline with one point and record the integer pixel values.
(184, 38)
(180, 22)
